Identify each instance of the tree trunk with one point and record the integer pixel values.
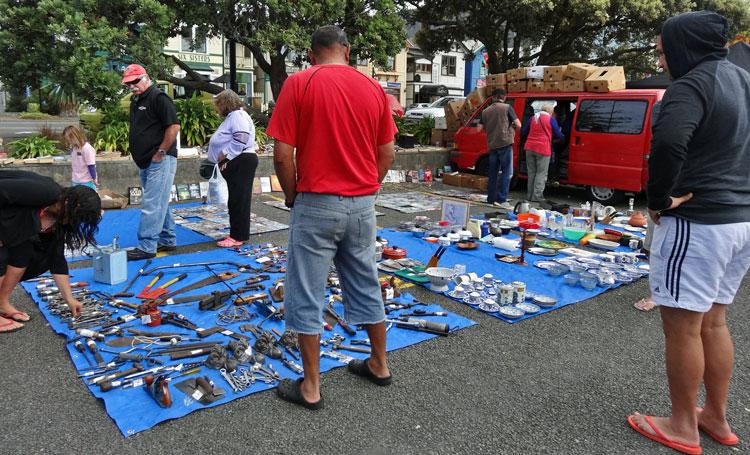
(277, 74)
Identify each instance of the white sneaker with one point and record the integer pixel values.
(503, 205)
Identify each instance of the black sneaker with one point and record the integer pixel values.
(161, 248)
(136, 255)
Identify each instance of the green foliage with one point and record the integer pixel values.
(422, 130)
(261, 137)
(34, 115)
(547, 33)
(114, 137)
(33, 107)
(114, 113)
(198, 120)
(32, 147)
(403, 126)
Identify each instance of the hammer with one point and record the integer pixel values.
(124, 292)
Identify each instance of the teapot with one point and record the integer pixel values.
(521, 207)
(637, 219)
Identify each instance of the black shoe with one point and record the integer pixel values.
(136, 255)
(161, 248)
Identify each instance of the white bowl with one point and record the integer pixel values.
(439, 278)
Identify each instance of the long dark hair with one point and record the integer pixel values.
(79, 218)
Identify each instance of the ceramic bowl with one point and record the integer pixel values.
(558, 269)
(572, 278)
(589, 283)
(439, 278)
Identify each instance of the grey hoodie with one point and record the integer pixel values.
(701, 140)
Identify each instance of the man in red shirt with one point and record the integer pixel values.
(339, 121)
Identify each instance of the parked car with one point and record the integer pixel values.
(417, 106)
(434, 109)
(606, 148)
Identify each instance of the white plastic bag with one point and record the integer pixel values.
(218, 193)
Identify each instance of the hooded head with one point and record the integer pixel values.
(692, 38)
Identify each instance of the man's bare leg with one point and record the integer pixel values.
(719, 359)
(309, 346)
(685, 365)
(378, 362)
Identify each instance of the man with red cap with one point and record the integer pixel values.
(153, 130)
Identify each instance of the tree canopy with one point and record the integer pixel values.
(526, 32)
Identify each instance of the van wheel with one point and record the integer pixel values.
(604, 195)
(483, 166)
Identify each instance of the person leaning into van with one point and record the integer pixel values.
(541, 129)
(233, 147)
(82, 157)
(501, 123)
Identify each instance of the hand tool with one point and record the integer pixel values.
(202, 389)
(144, 292)
(127, 356)
(433, 262)
(342, 322)
(215, 278)
(82, 349)
(106, 380)
(94, 350)
(240, 267)
(420, 312)
(158, 388)
(160, 369)
(162, 289)
(421, 325)
(335, 343)
(124, 292)
(252, 280)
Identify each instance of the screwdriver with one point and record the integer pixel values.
(80, 348)
(94, 350)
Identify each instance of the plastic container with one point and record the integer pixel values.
(558, 269)
(528, 217)
(573, 234)
(572, 278)
(589, 283)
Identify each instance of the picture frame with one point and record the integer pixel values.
(455, 212)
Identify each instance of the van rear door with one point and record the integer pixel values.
(607, 142)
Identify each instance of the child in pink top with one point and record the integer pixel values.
(82, 157)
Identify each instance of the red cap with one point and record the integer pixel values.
(132, 72)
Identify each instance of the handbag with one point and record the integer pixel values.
(206, 168)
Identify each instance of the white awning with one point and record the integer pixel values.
(423, 61)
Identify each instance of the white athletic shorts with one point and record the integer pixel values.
(696, 265)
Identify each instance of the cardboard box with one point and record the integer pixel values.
(453, 107)
(516, 86)
(436, 138)
(606, 79)
(535, 72)
(441, 123)
(578, 71)
(452, 124)
(466, 110)
(492, 88)
(477, 97)
(535, 86)
(112, 200)
(515, 74)
(496, 79)
(553, 86)
(554, 73)
(572, 85)
(477, 182)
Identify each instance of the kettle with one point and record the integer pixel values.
(521, 207)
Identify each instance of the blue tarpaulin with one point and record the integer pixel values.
(133, 410)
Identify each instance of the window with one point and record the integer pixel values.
(611, 116)
(448, 67)
(190, 43)
(390, 64)
(424, 68)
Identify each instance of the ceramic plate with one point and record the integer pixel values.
(604, 244)
(528, 308)
(543, 251)
(577, 252)
(511, 312)
(545, 301)
(634, 228)
(589, 261)
(553, 244)
(545, 265)
(645, 267)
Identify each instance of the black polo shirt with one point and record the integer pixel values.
(150, 114)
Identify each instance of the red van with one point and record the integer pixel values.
(606, 145)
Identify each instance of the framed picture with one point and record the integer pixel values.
(455, 212)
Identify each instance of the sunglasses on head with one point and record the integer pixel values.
(134, 82)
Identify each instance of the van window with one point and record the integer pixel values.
(611, 116)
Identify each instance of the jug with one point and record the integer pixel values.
(521, 207)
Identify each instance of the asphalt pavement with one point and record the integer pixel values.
(560, 383)
(14, 128)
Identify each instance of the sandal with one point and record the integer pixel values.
(291, 391)
(12, 315)
(10, 326)
(646, 304)
(360, 368)
(229, 242)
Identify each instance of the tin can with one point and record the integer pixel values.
(506, 294)
(519, 291)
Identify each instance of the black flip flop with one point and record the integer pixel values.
(290, 390)
(360, 368)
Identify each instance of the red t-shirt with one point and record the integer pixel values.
(336, 117)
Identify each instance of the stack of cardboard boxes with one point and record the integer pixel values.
(573, 77)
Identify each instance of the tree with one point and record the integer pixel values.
(277, 31)
(526, 32)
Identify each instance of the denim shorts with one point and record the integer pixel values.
(328, 229)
